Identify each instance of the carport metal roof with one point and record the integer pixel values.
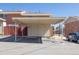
(38, 20)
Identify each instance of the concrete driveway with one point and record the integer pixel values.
(48, 47)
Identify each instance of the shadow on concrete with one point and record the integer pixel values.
(31, 39)
(71, 42)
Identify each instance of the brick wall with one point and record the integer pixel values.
(10, 30)
(71, 27)
(9, 18)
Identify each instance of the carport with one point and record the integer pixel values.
(34, 26)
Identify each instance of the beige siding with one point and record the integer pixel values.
(39, 30)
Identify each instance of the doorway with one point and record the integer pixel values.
(25, 31)
(19, 32)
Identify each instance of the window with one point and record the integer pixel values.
(3, 16)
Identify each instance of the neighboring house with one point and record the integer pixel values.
(58, 28)
(71, 25)
(28, 24)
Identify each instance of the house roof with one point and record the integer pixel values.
(10, 12)
(24, 13)
(43, 18)
(36, 14)
(71, 19)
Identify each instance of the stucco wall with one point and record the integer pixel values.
(39, 30)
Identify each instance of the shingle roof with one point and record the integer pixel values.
(71, 19)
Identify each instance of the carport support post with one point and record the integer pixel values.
(15, 32)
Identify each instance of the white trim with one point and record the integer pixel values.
(13, 25)
(1, 19)
(38, 18)
(4, 24)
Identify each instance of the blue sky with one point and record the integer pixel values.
(58, 9)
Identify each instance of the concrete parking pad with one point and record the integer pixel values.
(48, 47)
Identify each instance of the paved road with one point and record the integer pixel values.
(48, 47)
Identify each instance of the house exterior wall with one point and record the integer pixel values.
(33, 29)
(71, 27)
(43, 30)
(39, 30)
(8, 30)
(9, 17)
(1, 28)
